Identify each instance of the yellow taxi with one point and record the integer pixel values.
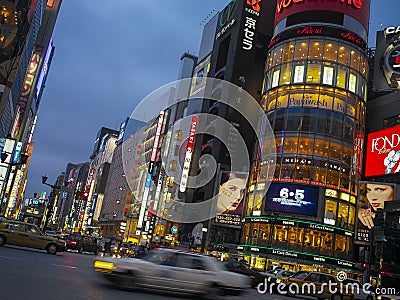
(28, 235)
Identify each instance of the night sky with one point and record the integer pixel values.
(108, 57)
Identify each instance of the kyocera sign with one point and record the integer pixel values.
(358, 9)
(383, 152)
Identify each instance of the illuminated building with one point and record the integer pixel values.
(379, 247)
(314, 94)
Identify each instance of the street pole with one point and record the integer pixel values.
(50, 203)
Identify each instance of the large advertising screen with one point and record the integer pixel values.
(292, 198)
(230, 200)
(383, 152)
(358, 9)
(372, 196)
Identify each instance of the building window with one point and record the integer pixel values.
(298, 75)
(286, 74)
(313, 73)
(352, 83)
(301, 50)
(331, 50)
(275, 78)
(330, 212)
(328, 76)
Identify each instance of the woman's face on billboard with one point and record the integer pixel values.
(377, 194)
(230, 194)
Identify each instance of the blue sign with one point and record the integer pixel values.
(174, 229)
(292, 198)
(17, 152)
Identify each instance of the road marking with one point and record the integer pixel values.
(65, 266)
(8, 257)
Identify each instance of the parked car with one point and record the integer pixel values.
(28, 235)
(173, 270)
(315, 284)
(358, 290)
(242, 268)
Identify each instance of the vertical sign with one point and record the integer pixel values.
(27, 89)
(188, 155)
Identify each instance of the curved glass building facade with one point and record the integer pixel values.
(314, 94)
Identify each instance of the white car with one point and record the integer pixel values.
(172, 270)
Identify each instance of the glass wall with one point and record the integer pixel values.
(297, 238)
(318, 61)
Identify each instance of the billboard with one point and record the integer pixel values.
(7, 146)
(292, 198)
(230, 199)
(387, 60)
(358, 9)
(372, 195)
(383, 152)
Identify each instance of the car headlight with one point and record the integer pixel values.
(104, 265)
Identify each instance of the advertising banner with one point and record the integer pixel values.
(7, 146)
(358, 9)
(229, 206)
(372, 195)
(383, 152)
(292, 198)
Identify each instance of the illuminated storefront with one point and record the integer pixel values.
(314, 94)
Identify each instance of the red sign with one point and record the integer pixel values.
(255, 5)
(383, 152)
(358, 9)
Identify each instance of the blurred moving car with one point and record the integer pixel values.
(358, 290)
(173, 270)
(28, 235)
(241, 267)
(315, 284)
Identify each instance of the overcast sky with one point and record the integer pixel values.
(111, 54)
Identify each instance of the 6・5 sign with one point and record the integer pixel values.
(292, 198)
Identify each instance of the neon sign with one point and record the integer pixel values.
(286, 3)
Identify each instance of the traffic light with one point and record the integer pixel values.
(364, 266)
